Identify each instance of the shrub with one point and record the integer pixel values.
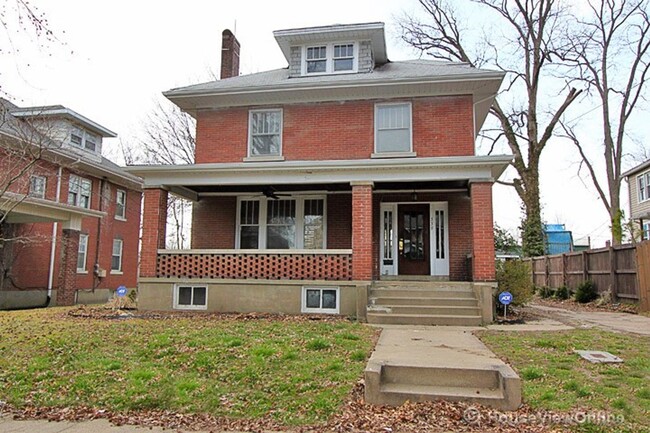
(562, 293)
(545, 292)
(514, 276)
(586, 292)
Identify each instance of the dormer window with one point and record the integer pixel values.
(330, 58)
(84, 140)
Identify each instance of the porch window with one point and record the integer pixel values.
(393, 128)
(265, 133)
(320, 300)
(190, 297)
(82, 253)
(79, 190)
(296, 223)
(249, 224)
(281, 224)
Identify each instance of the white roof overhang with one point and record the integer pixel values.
(181, 178)
(65, 113)
(24, 209)
(483, 90)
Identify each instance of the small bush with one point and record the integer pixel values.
(586, 292)
(514, 276)
(562, 293)
(545, 292)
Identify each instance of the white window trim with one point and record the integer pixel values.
(117, 195)
(177, 306)
(329, 68)
(300, 220)
(117, 271)
(401, 153)
(269, 157)
(83, 270)
(31, 192)
(645, 231)
(90, 190)
(646, 178)
(303, 302)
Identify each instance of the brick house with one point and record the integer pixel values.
(638, 180)
(316, 185)
(71, 217)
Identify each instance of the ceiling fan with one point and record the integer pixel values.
(270, 192)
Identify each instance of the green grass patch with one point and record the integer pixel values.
(297, 372)
(555, 378)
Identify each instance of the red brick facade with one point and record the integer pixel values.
(362, 232)
(482, 232)
(154, 229)
(442, 126)
(67, 287)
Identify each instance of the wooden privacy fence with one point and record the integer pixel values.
(623, 270)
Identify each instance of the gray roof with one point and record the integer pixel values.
(65, 112)
(391, 71)
(637, 169)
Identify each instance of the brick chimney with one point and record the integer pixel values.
(229, 55)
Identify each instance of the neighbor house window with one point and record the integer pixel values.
(282, 224)
(79, 190)
(191, 297)
(393, 128)
(330, 58)
(265, 133)
(646, 231)
(120, 204)
(116, 257)
(320, 300)
(644, 186)
(84, 140)
(37, 186)
(82, 254)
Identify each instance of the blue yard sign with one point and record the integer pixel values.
(505, 298)
(121, 291)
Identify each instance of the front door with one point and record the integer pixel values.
(413, 241)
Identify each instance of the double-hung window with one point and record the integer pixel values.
(316, 59)
(343, 57)
(120, 204)
(330, 58)
(37, 186)
(84, 140)
(645, 235)
(643, 182)
(116, 256)
(265, 133)
(79, 190)
(82, 253)
(293, 223)
(393, 132)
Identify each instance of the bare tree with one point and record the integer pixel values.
(168, 139)
(531, 39)
(610, 53)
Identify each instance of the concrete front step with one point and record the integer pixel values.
(430, 301)
(453, 310)
(451, 285)
(380, 318)
(395, 394)
(472, 378)
(420, 293)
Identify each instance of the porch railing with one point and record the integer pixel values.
(256, 264)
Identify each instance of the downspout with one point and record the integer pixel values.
(55, 230)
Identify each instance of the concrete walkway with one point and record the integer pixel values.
(8, 425)
(617, 322)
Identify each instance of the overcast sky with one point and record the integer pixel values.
(112, 60)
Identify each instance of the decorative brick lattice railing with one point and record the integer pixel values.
(267, 265)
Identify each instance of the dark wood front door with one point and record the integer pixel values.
(413, 242)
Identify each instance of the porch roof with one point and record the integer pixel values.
(191, 180)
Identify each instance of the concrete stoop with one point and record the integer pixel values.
(451, 364)
(424, 303)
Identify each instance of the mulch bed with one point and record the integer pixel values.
(570, 304)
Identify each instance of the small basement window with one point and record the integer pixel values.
(320, 300)
(190, 297)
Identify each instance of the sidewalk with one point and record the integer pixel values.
(8, 425)
(617, 322)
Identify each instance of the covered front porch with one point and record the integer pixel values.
(314, 224)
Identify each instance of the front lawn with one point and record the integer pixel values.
(555, 378)
(294, 370)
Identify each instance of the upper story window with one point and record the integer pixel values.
(393, 132)
(643, 181)
(37, 186)
(265, 133)
(120, 205)
(330, 58)
(84, 140)
(79, 190)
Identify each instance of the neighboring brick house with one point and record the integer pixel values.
(638, 179)
(313, 181)
(70, 217)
